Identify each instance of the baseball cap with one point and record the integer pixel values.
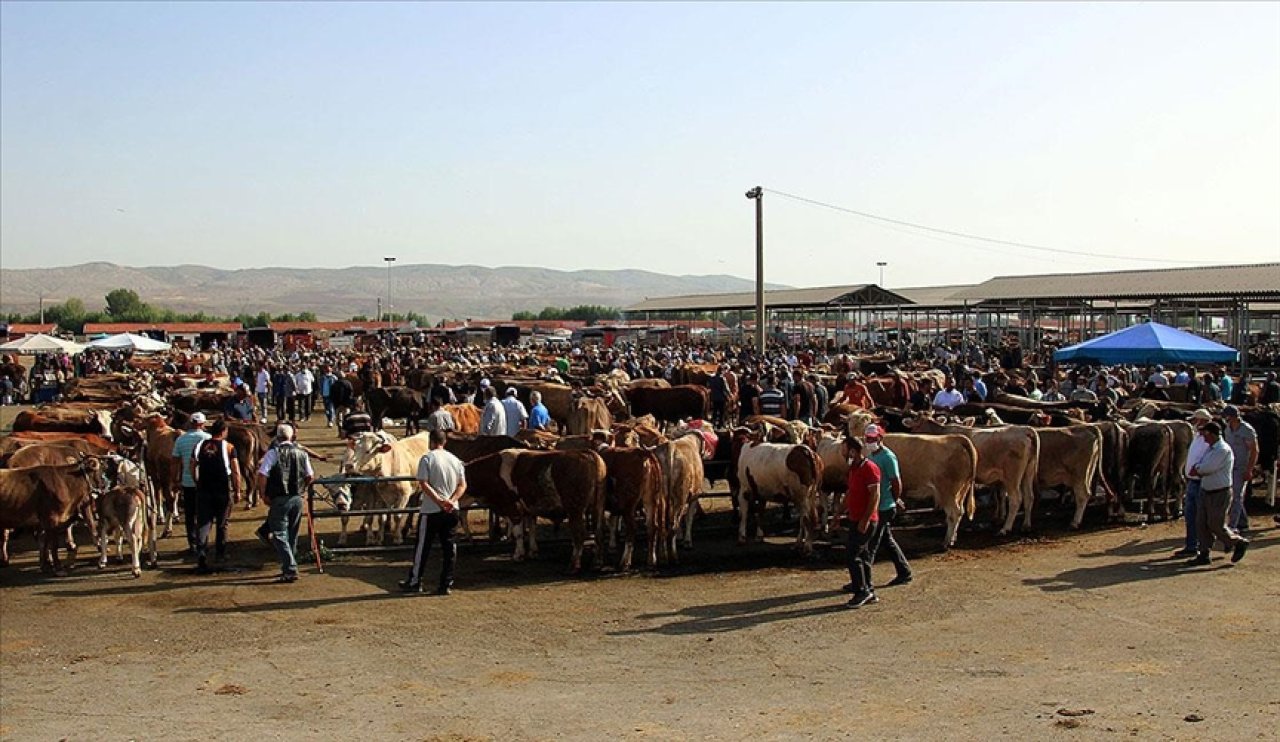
(198, 418)
(872, 431)
(484, 383)
(1201, 414)
(511, 391)
(1231, 411)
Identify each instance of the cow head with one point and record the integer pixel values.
(858, 422)
(364, 452)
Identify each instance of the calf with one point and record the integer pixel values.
(121, 512)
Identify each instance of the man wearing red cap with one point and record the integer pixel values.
(862, 505)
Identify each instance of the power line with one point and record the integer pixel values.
(980, 238)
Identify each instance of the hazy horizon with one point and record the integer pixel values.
(623, 136)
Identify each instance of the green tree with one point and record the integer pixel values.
(124, 304)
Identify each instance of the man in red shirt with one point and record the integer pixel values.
(862, 503)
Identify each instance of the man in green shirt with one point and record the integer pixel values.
(890, 501)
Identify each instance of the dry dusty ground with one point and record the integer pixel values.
(991, 640)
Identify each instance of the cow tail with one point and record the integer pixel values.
(1033, 469)
(600, 480)
(970, 499)
(655, 502)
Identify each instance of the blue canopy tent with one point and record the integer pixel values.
(1148, 343)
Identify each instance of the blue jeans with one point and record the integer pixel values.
(329, 409)
(1191, 503)
(284, 515)
(1237, 518)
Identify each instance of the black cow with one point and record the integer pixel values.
(396, 402)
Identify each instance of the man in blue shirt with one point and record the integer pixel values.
(890, 496)
(539, 417)
(183, 448)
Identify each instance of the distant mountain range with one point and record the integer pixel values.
(437, 291)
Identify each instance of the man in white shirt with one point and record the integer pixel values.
(303, 382)
(1158, 378)
(1191, 499)
(948, 397)
(493, 420)
(442, 477)
(1214, 469)
(517, 416)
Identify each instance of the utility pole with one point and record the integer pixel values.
(757, 195)
(389, 260)
(881, 264)
(42, 307)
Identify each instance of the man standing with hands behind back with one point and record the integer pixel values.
(443, 480)
(862, 501)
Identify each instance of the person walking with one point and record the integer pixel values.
(443, 480)
(284, 474)
(1243, 440)
(862, 505)
(1191, 498)
(1214, 469)
(327, 379)
(183, 448)
(262, 387)
(890, 498)
(218, 486)
(303, 384)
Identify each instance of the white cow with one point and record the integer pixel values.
(379, 454)
(779, 470)
(121, 512)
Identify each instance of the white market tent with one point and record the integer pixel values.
(129, 341)
(41, 343)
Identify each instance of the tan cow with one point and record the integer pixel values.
(121, 512)
(1072, 458)
(1008, 459)
(935, 469)
(681, 462)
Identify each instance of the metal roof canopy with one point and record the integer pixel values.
(1234, 282)
(814, 298)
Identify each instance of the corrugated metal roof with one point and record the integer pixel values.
(169, 327)
(1260, 280)
(935, 297)
(822, 296)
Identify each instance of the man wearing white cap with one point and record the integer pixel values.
(517, 416)
(183, 449)
(1191, 500)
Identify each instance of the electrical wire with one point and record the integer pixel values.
(979, 238)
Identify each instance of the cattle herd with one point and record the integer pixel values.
(623, 456)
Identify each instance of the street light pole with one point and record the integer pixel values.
(881, 264)
(389, 260)
(757, 194)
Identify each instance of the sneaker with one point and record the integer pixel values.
(287, 577)
(901, 580)
(857, 601)
(1184, 552)
(1238, 553)
(407, 586)
(1199, 561)
(443, 590)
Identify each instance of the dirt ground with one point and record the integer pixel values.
(1065, 636)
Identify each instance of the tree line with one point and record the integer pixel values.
(124, 305)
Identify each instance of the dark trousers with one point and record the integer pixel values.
(282, 408)
(858, 556)
(435, 527)
(190, 511)
(212, 510)
(884, 535)
(717, 411)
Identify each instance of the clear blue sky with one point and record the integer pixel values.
(582, 135)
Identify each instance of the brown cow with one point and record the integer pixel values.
(523, 485)
(98, 423)
(634, 480)
(86, 443)
(48, 498)
(586, 415)
(466, 418)
(671, 405)
(162, 469)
